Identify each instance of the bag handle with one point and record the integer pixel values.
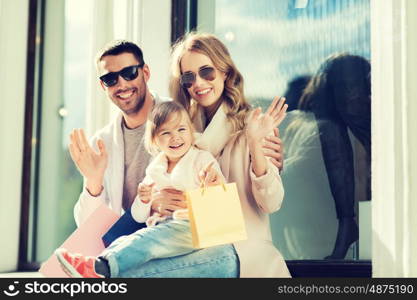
(203, 187)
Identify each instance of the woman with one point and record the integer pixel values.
(339, 95)
(207, 83)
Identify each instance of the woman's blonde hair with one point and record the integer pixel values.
(236, 105)
(160, 114)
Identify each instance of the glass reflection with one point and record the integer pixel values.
(279, 46)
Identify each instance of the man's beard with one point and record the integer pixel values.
(140, 101)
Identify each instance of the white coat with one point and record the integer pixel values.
(259, 196)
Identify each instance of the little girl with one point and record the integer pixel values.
(179, 165)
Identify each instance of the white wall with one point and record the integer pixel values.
(155, 41)
(394, 74)
(13, 42)
(411, 24)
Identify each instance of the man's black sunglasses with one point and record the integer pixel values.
(128, 73)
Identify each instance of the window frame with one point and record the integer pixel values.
(30, 166)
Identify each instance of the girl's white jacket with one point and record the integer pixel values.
(183, 177)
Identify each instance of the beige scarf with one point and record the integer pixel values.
(217, 134)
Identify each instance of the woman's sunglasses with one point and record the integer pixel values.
(128, 73)
(188, 78)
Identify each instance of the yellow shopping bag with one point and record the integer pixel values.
(215, 215)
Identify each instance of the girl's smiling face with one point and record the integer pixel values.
(175, 136)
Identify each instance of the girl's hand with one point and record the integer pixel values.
(209, 176)
(145, 192)
(90, 163)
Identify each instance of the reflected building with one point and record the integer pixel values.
(275, 41)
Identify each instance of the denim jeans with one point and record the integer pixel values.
(166, 250)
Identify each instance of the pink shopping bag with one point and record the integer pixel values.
(86, 239)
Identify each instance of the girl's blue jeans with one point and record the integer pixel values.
(165, 251)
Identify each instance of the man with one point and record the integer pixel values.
(113, 170)
(121, 160)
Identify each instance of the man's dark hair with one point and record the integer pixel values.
(117, 47)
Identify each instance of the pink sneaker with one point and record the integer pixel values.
(77, 265)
